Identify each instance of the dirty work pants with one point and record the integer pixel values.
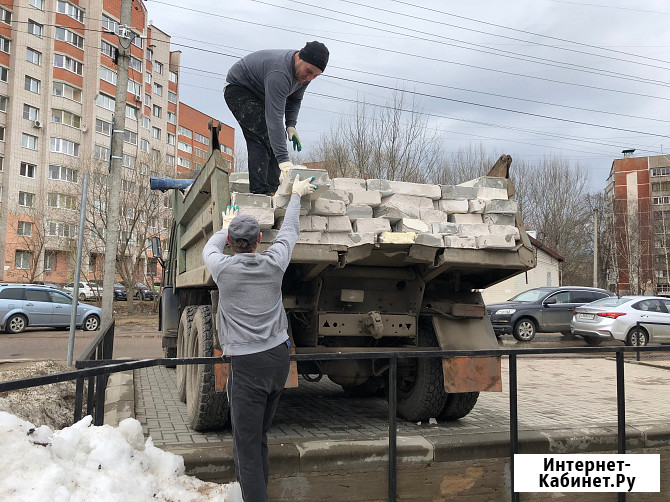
(249, 111)
(254, 385)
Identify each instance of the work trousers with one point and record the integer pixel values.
(249, 111)
(254, 385)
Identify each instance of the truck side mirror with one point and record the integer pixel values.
(156, 248)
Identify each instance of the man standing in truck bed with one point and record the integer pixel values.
(252, 328)
(262, 89)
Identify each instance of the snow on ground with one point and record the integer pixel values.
(85, 462)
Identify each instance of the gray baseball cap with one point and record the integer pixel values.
(244, 226)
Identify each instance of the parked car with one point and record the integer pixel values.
(617, 319)
(87, 291)
(541, 310)
(119, 290)
(142, 292)
(23, 305)
(48, 284)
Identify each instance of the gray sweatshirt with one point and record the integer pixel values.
(269, 74)
(251, 316)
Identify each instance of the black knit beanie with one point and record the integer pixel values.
(315, 53)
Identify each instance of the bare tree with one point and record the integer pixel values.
(465, 164)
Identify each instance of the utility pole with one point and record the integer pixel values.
(116, 165)
(595, 248)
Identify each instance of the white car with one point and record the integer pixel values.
(635, 320)
(86, 291)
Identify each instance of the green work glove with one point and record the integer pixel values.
(303, 187)
(228, 215)
(293, 136)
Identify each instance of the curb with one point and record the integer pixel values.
(119, 398)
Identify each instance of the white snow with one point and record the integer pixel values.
(85, 462)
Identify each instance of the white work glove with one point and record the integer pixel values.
(228, 215)
(284, 168)
(304, 187)
(292, 135)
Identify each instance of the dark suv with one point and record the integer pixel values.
(541, 310)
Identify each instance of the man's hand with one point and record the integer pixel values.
(293, 136)
(228, 215)
(284, 167)
(304, 187)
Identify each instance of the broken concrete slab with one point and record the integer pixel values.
(499, 219)
(458, 192)
(313, 223)
(431, 216)
(454, 241)
(280, 203)
(359, 239)
(432, 240)
(445, 228)
(264, 215)
(399, 206)
(473, 229)
(320, 180)
(486, 182)
(397, 238)
(453, 206)
(476, 205)
(371, 225)
(411, 225)
(338, 224)
(505, 230)
(269, 235)
(370, 198)
(337, 194)
(349, 184)
(496, 241)
(491, 193)
(250, 200)
(309, 237)
(465, 218)
(328, 207)
(356, 211)
(500, 206)
(433, 192)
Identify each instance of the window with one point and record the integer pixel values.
(134, 63)
(65, 117)
(130, 137)
(4, 74)
(136, 40)
(60, 229)
(50, 264)
(173, 76)
(134, 88)
(5, 16)
(170, 138)
(185, 147)
(61, 201)
(172, 118)
(147, 77)
(150, 54)
(67, 91)
(157, 111)
(29, 141)
(108, 75)
(131, 112)
(202, 139)
(158, 67)
(147, 100)
(30, 112)
(199, 152)
(103, 127)
(22, 261)
(660, 186)
(108, 49)
(128, 161)
(26, 199)
(5, 45)
(38, 4)
(2, 166)
(226, 149)
(144, 146)
(660, 171)
(70, 10)
(169, 159)
(35, 28)
(32, 85)
(3, 103)
(33, 56)
(146, 122)
(24, 229)
(101, 152)
(185, 132)
(70, 37)
(143, 168)
(155, 133)
(62, 173)
(109, 24)
(127, 186)
(183, 162)
(105, 102)
(67, 63)
(64, 146)
(27, 170)
(158, 89)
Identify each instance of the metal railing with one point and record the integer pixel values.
(97, 370)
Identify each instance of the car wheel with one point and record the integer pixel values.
(16, 324)
(637, 336)
(137, 296)
(82, 297)
(92, 323)
(593, 341)
(524, 330)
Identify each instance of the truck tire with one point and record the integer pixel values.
(458, 405)
(421, 393)
(183, 334)
(206, 408)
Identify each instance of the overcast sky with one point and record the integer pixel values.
(489, 72)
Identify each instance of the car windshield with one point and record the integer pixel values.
(610, 301)
(531, 295)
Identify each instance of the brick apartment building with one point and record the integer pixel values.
(57, 95)
(638, 200)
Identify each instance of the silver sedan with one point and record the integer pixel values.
(635, 320)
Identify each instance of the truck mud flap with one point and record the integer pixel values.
(472, 374)
(221, 371)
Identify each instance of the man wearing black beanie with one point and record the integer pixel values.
(264, 91)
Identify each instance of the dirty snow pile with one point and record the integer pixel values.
(84, 462)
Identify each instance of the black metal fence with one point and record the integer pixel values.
(96, 368)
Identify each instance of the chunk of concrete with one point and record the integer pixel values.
(264, 215)
(337, 194)
(382, 186)
(445, 228)
(432, 192)
(458, 192)
(411, 225)
(465, 218)
(499, 219)
(476, 205)
(496, 241)
(313, 223)
(370, 198)
(501, 206)
(486, 182)
(280, 203)
(309, 237)
(250, 200)
(491, 193)
(356, 211)
(269, 235)
(320, 176)
(240, 186)
(336, 238)
(359, 239)
(473, 229)
(505, 230)
(349, 184)
(454, 241)
(453, 206)
(433, 215)
(328, 207)
(432, 240)
(397, 238)
(338, 224)
(371, 225)
(399, 206)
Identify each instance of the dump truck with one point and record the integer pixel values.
(380, 266)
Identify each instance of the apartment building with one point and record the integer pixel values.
(638, 224)
(57, 96)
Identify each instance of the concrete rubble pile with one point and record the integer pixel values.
(349, 211)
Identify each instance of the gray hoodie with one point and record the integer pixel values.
(251, 316)
(270, 75)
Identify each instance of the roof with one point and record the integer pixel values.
(546, 249)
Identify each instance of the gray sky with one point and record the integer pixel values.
(519, 56)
